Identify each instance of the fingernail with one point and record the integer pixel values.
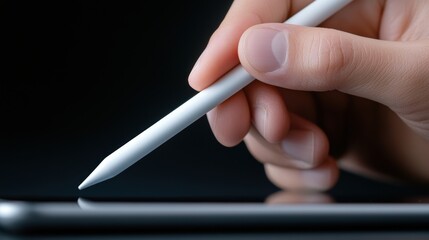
(299, 144)
(265, 49)
(317, 180)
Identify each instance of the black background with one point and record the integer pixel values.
(81, 78)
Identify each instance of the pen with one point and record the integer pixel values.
(198, 105)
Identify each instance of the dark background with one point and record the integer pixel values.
(81, 78)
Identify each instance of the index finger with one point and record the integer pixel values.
(220, 54)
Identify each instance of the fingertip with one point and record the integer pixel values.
(219, 56)
(321, 178)
(192, 79)
(196, 78)
(262, 48)
(306, 141)
(230, 120)
(268, 110)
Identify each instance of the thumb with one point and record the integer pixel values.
(317, 59)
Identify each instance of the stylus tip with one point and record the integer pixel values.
(92, 179)
(101, 173)
(84, 184)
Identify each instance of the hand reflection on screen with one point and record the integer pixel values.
(293, 197)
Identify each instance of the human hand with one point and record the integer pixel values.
(362, 88)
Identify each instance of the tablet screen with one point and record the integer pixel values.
(351, 188)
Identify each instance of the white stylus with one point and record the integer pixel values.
(199, 105)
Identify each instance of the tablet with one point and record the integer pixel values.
(282, 210)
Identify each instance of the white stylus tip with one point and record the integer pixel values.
(89, 181)
(84, 185)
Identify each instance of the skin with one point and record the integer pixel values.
(352, 93)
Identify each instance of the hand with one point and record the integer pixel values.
(355, 90)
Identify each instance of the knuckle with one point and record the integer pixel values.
(413, 81)
(329, 55)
